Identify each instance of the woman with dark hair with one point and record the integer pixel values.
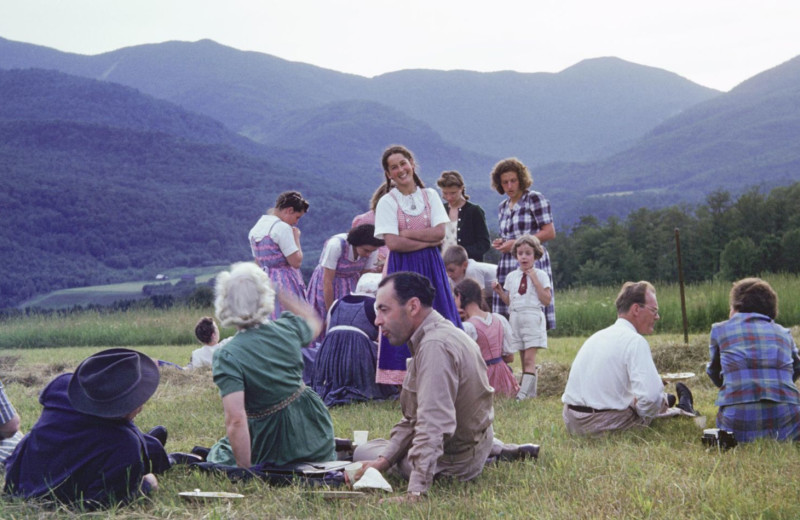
(411, 219)
(467, 226)
(755, 362)
(369, 218)
(271, 416)
(344, 258)
(346, 361)
(275, 243)
(524, 212)
(492, 333)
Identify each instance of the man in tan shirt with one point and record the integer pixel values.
(446, 398)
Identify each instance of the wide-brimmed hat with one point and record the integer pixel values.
(113, 383)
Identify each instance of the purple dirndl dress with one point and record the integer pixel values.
(427, 262)
(345, 367)
(267, 254)
(344, 281)
(529, 215)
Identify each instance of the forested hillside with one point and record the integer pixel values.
(724, 236)
(100, 183)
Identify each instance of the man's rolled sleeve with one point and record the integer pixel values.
(646, 384)
(399, 440)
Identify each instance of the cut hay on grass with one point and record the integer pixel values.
(659, 472)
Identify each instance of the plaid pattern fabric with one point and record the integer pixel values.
(751, 421)
(754, 359)
(7, 411)
(267, 254)
(529, 215)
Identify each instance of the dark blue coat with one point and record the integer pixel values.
(71, 456)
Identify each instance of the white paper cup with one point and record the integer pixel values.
(360, 437)
(350, 471)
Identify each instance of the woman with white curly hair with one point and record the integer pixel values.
(270, 415)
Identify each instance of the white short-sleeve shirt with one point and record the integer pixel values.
(529, 300)
(413, 205)
(333, 251)
(280, 232)
(483, 273)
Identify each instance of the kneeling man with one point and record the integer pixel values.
(446, 398)
(613, 383)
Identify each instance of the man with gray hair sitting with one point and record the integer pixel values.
(613, 383)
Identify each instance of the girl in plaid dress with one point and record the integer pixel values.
(524, 212)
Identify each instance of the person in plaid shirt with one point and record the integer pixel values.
(524, 212)
(754, 362)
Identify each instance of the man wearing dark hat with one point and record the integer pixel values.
(85, 447)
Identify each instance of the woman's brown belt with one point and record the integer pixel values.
(266, 412)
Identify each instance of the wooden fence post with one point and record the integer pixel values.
(680, 282)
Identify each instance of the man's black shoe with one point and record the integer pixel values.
(685, 399)
(184, 458)
(201, 451)
(343, 444)
(523, 451)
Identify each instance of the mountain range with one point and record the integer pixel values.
(165, 154)
(586, 111)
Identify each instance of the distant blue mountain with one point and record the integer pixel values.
(589, 110)
(746, 137)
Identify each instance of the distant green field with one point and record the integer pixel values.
(108, 294)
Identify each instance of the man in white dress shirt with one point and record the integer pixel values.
(613, 383)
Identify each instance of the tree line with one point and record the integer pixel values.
(722, 238)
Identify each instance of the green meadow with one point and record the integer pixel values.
(658, 472)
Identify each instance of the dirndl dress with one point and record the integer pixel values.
(267, 254)
(490, 340)
(344, 281)
(345, 367)
(427, 262)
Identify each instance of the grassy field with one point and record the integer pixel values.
(585, 310)
(659, 472)
(579, 312)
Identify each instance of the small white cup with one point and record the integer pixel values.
(350, 471)
(360, 437)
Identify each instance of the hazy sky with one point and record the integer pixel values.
(717, 43)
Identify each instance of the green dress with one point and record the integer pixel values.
(266, 363)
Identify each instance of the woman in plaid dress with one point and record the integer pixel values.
(524, 212)
(755, 363)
